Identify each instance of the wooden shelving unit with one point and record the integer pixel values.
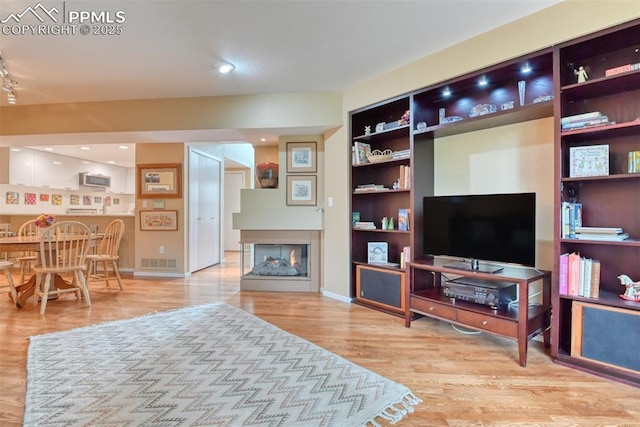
(612, 200)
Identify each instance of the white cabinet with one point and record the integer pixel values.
(50, 170)
(21, 167)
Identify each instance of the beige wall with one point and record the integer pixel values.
(524, 151)
(148, 242)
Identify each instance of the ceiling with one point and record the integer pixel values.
(170, 49)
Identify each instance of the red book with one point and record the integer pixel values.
(574, 274)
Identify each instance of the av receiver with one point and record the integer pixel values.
(495, 294)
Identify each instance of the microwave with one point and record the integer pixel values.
(93, 180)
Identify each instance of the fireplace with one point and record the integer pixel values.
(280, 260)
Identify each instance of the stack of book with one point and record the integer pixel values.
(584, 120)
(607, 234)
(401, 154)
(627, 68)
(367, 225)
(579, 276)
(370, 187)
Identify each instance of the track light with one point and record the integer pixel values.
(8, 84)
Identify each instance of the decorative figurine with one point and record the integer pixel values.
(384, 223)
(367, 130)
(633, 288)
(581, 73)
(390, 225)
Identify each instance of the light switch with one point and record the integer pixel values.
(330, 201)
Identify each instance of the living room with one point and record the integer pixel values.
(517, 157)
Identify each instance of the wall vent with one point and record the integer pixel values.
(159, 263)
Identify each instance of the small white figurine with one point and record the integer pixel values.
(633, 288)
(367, 130)
(582, 74)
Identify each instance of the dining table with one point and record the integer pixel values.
(32, 244)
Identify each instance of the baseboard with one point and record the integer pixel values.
(160, 274)
(337, 297)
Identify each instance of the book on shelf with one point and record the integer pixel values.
(367, 225)
(589, 160)
(355, 218)
(604, 120)
(618, 237)
(581, 117)
(598, 230)
(377, 252)
(403, 219)
(386, 264)
(402, 154)
(627, 68)
(579, 276)
(404, 177)
(563, 275)
(633, 162)
(571, 218)
(370, 187)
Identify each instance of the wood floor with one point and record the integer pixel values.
(464, 379)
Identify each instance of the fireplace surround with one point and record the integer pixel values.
(280, 260)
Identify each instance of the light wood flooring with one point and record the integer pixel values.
(463, 379)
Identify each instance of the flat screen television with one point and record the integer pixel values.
(481, 227)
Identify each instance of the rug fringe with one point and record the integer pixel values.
(393, 413)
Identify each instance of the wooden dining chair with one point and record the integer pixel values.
(107, 255)
(63, 250)
(6, 267)
(27, 259)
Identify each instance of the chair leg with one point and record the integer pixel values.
(12, 288)
(117, 273)
(105, 271)
(45, 293)
(83, 287)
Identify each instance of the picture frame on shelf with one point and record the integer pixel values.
(302, 157)
(159, 220)
(160, 181)
(301, 190)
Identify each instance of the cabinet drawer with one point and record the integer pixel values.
(431, 308)
(489, 323)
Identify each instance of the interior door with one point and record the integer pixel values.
(205, 210)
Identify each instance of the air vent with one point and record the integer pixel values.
(159, 263)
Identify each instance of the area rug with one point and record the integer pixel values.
(209, 365)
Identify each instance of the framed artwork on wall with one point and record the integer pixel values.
(301, 157)
(162, 181)
(158, 220)
(301, 190)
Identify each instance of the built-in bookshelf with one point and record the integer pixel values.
(597, 126)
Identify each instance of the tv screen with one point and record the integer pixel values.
(483, 227)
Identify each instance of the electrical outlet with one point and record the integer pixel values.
(144, 204)
(161, 249)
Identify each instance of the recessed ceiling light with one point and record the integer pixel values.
(48, 149)
(85, 148)
(123, 147)
(15, 149)
(111, 162)
(263, 139)
(57, 163)
(225, 67)
(86, 162)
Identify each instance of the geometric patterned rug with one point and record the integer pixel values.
(208, 365)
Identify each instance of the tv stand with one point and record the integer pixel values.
(423, 296)
(475, 265)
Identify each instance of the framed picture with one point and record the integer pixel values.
(160, 181)
(301, 157)
(158, 220)
(301, 190)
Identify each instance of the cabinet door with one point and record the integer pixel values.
(21, 167)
